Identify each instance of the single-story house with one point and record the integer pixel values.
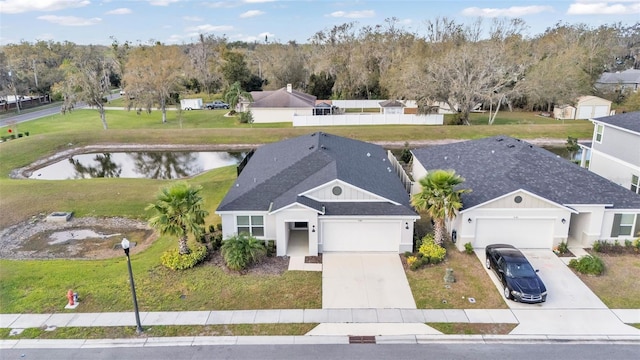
(280, 105)
(586, 107)
(529, 197)
(324, 192)
(391, 107)
(623, 81)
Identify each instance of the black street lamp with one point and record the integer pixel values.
(125, 247)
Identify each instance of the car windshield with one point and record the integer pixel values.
(519, 270)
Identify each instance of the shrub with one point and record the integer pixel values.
(411, 260)
(628, 243)
(468, 248)
(405, 155)
(563, 248)
(242, 250)
(407, 254)
(432, 251)
(597, 246)
(271, 248)
(246, 117)
(216, 240)
(636, 244)
(176, 261)
(588, 264)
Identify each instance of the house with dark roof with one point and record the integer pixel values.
(623, 81)
(320, 193)
(280, 105)
(615, 149)
(529, 197)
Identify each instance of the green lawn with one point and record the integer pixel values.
(40, 286)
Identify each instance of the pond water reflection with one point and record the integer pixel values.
(149, 165)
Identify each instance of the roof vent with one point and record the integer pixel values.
(493, 151)
(368, 154)
(311, 147)
(314, 134)
(388, 169)
(323, 147)
(499, 139)
(510, 146)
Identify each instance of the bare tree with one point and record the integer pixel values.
(87, 79)
(152, 74)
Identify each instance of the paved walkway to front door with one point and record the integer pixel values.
(364, 281)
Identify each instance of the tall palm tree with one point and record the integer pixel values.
(440, 198)
(178, 211)
(234, 94)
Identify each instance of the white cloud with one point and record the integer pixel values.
(353, 14)
(192, 18)
(251, 13)
(208, 28)
(514, 11)
(120, 11)
(162, 2)
(22, 6)
(70, 20)
(590, 7)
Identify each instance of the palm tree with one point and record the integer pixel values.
(439, 198)
(178, 212)
(234, 94)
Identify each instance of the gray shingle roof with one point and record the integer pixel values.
(629, 121)
(278, 173)
(630, 76)
(281, 98)
(499, 165)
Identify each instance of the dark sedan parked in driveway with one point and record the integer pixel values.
(520, 282)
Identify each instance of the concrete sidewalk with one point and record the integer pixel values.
(290, 316)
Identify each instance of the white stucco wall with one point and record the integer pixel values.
(275, 115)
(612, 168)
(282, 218)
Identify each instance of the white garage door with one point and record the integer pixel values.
(360, 236)
(601, 111)
(584, 112)
(521, 233)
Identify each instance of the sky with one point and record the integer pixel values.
(181, 21)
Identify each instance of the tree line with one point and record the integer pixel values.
(463, 65)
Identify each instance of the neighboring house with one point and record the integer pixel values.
(280, 105)
(324, 193)
(586, 107)
(529, 197)
(623, 81)
(615, 149)
(391, 107)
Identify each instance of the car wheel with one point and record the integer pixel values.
(488, 263)
(507, 293)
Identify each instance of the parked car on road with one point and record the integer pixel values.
(520, 282)
(216, 105)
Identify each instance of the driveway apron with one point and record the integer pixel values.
(364, 280)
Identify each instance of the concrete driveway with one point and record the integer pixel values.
(564, 289)
(364, 280)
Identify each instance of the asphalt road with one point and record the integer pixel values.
(576, 351)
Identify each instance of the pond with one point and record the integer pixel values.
(149, 165)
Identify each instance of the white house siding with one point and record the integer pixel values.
(586, 227)
(612, 168)
(621, 144)
(283, 218)
(229, 225)
(367, 119)
(349, 193)
(607, 224)
(365, 234)
(275, 115)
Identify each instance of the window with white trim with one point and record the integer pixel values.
(623, 225)
(252, 225)
(635, 184)
(599, 132)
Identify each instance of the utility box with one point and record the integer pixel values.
(191, 104)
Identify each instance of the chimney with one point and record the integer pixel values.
(289, 88)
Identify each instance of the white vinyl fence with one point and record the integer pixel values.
(368, 119)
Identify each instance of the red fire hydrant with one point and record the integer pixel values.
(70, 297)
